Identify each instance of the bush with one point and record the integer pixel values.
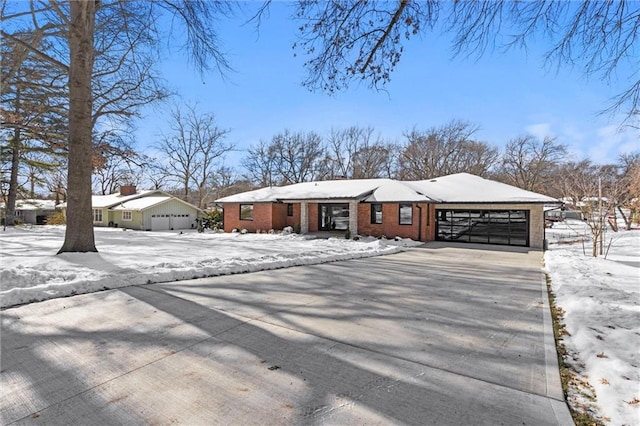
(56, 218)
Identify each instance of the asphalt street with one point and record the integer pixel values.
(442, 334)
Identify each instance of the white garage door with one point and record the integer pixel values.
(181, 221)
(160, 222)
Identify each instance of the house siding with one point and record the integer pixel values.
(536, 217)
(294, 221)
(106, 217)
(263, 217)
(422, 227)
(172, 207)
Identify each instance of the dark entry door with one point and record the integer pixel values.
(333, 217)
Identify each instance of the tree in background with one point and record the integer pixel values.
(194, 150)
(445, 150)
(628, 184)
(288, 158)
(355, 154)
(530, 164)
(32, 114)
(115, 162)
(72, 26)
(352, 41)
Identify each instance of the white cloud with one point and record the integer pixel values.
(539, 130)
(611, 141)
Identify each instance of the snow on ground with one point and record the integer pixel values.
(31, 271)
(600, 296)
(601, 300)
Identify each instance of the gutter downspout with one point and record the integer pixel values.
(419, 223)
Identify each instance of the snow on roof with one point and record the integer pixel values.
(33, 204)
(456, 188)
(468, 188)
(267, 194)
(102, 201)
(143, 203)
(331, 189)
(396, 191)
(321, 190)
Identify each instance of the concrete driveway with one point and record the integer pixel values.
(443, 334)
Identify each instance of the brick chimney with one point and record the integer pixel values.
(127, 189)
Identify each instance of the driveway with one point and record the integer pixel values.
(442, 334)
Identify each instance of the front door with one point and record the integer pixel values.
(333, 217)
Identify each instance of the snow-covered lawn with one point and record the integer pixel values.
(601, 301)
(31, 271)
(600, 297)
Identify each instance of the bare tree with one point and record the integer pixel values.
(195, 149)
(115, 162)
(301, 157)
(627, 187)
(594, 190)
(74, 26)
(32, 114)
(288, 158)
(529, 164)
(260, 164)
(356, 154)
(445, 150)
(352, 41)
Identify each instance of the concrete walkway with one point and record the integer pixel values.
(442, 334)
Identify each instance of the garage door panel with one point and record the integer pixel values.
(506, 227)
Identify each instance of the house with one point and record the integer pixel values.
(459, 207)
(33, 211)
(149, 210)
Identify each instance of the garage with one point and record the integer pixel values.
(160, 222)
(504, 227)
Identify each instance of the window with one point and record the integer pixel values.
(246, 211)
(97, 215)
(289, 209)
(406, 214)
(127, 215)
(376, 213)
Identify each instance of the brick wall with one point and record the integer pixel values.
(390, 226)
(266, 216)
(294, 220)
(262, 217)
(313, 217)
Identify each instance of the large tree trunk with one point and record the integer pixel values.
(79, 233)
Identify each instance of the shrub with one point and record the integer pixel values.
(56, 218)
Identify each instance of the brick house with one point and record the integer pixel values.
(460, 207)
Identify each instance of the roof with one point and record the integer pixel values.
(456, 188)
(33, 204)
(105, 201)
(143, 203)
(141, 200)
(468, 188)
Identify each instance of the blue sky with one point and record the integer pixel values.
(506, 95)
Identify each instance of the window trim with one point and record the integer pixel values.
(240, 211)
(400, 207)
(289, 209)
(95, 214)
(374, 218)
(126, 213)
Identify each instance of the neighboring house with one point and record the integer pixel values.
(460, 207)
(150, 210)
(33, 211)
